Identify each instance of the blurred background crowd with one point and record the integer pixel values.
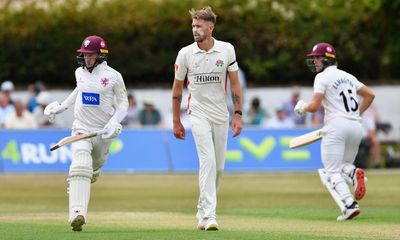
(26, 112)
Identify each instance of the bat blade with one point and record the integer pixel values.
(72, 139)
(305, 139)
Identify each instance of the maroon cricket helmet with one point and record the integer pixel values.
(322, 50)
(93, 44)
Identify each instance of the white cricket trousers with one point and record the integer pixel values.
(340, 143)
(339, 147)
(210, 140)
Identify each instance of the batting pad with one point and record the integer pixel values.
(327, 183)
(81, 164)
(80, 175)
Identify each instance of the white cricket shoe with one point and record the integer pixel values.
(77, 223)
(359, 184)
(350, 212)
(201, 225)
(211, 225)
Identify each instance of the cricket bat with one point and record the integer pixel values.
(305, 139)
(75, 138)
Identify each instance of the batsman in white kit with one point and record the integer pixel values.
(337, 90)
(206, 63)
(100, 104)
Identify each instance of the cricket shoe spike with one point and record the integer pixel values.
(77, 223)
(350, 212)
(212, 225)
(359, 184)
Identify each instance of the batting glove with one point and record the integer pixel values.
(111, 130)
(299, 108)
(52, 109)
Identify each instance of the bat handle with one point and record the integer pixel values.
(100, 132)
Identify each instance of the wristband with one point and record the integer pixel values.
(238, 112)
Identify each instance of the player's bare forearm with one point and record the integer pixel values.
(177, 90)
(368, 96)
(237, 101)
(235, 91)
(178, 129)
(315, 103)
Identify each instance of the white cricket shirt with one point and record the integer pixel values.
(206, 72)
(95, 91)
(340, 93)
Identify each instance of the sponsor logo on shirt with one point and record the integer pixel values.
(176, 67)
(219, 63)
(122, 91)
(92, 99)
(104, 82)
(206, 79)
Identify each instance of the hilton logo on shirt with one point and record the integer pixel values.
(206, 79)
(92, 99)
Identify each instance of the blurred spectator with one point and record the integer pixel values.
(317, 117)
(280, 120)
(7, 87)
(289, 105)
(132, 118)
(20, 119)
(256, 114)
(33, 92)
(43, 99)
(6, 108)
(149, 116)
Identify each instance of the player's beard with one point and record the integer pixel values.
(199, 35)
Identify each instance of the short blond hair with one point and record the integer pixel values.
(205, 14)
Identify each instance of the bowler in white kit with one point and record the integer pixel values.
(205, 64)
(338, 92)
(100, 103)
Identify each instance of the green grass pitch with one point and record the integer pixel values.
(163, 206)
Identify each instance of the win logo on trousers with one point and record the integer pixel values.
(90, 98)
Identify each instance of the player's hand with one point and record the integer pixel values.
(111, 130)
(179, 130)
(52, 109)
(299, 108)
(237, 125)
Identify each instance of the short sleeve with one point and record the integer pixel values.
(180, 66)
(232, 63)
(357, 83)
(320, 84)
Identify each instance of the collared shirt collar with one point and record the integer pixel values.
(216, 47)
(98, 66)
(330, 68)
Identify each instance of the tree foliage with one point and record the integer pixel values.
(39, 38)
